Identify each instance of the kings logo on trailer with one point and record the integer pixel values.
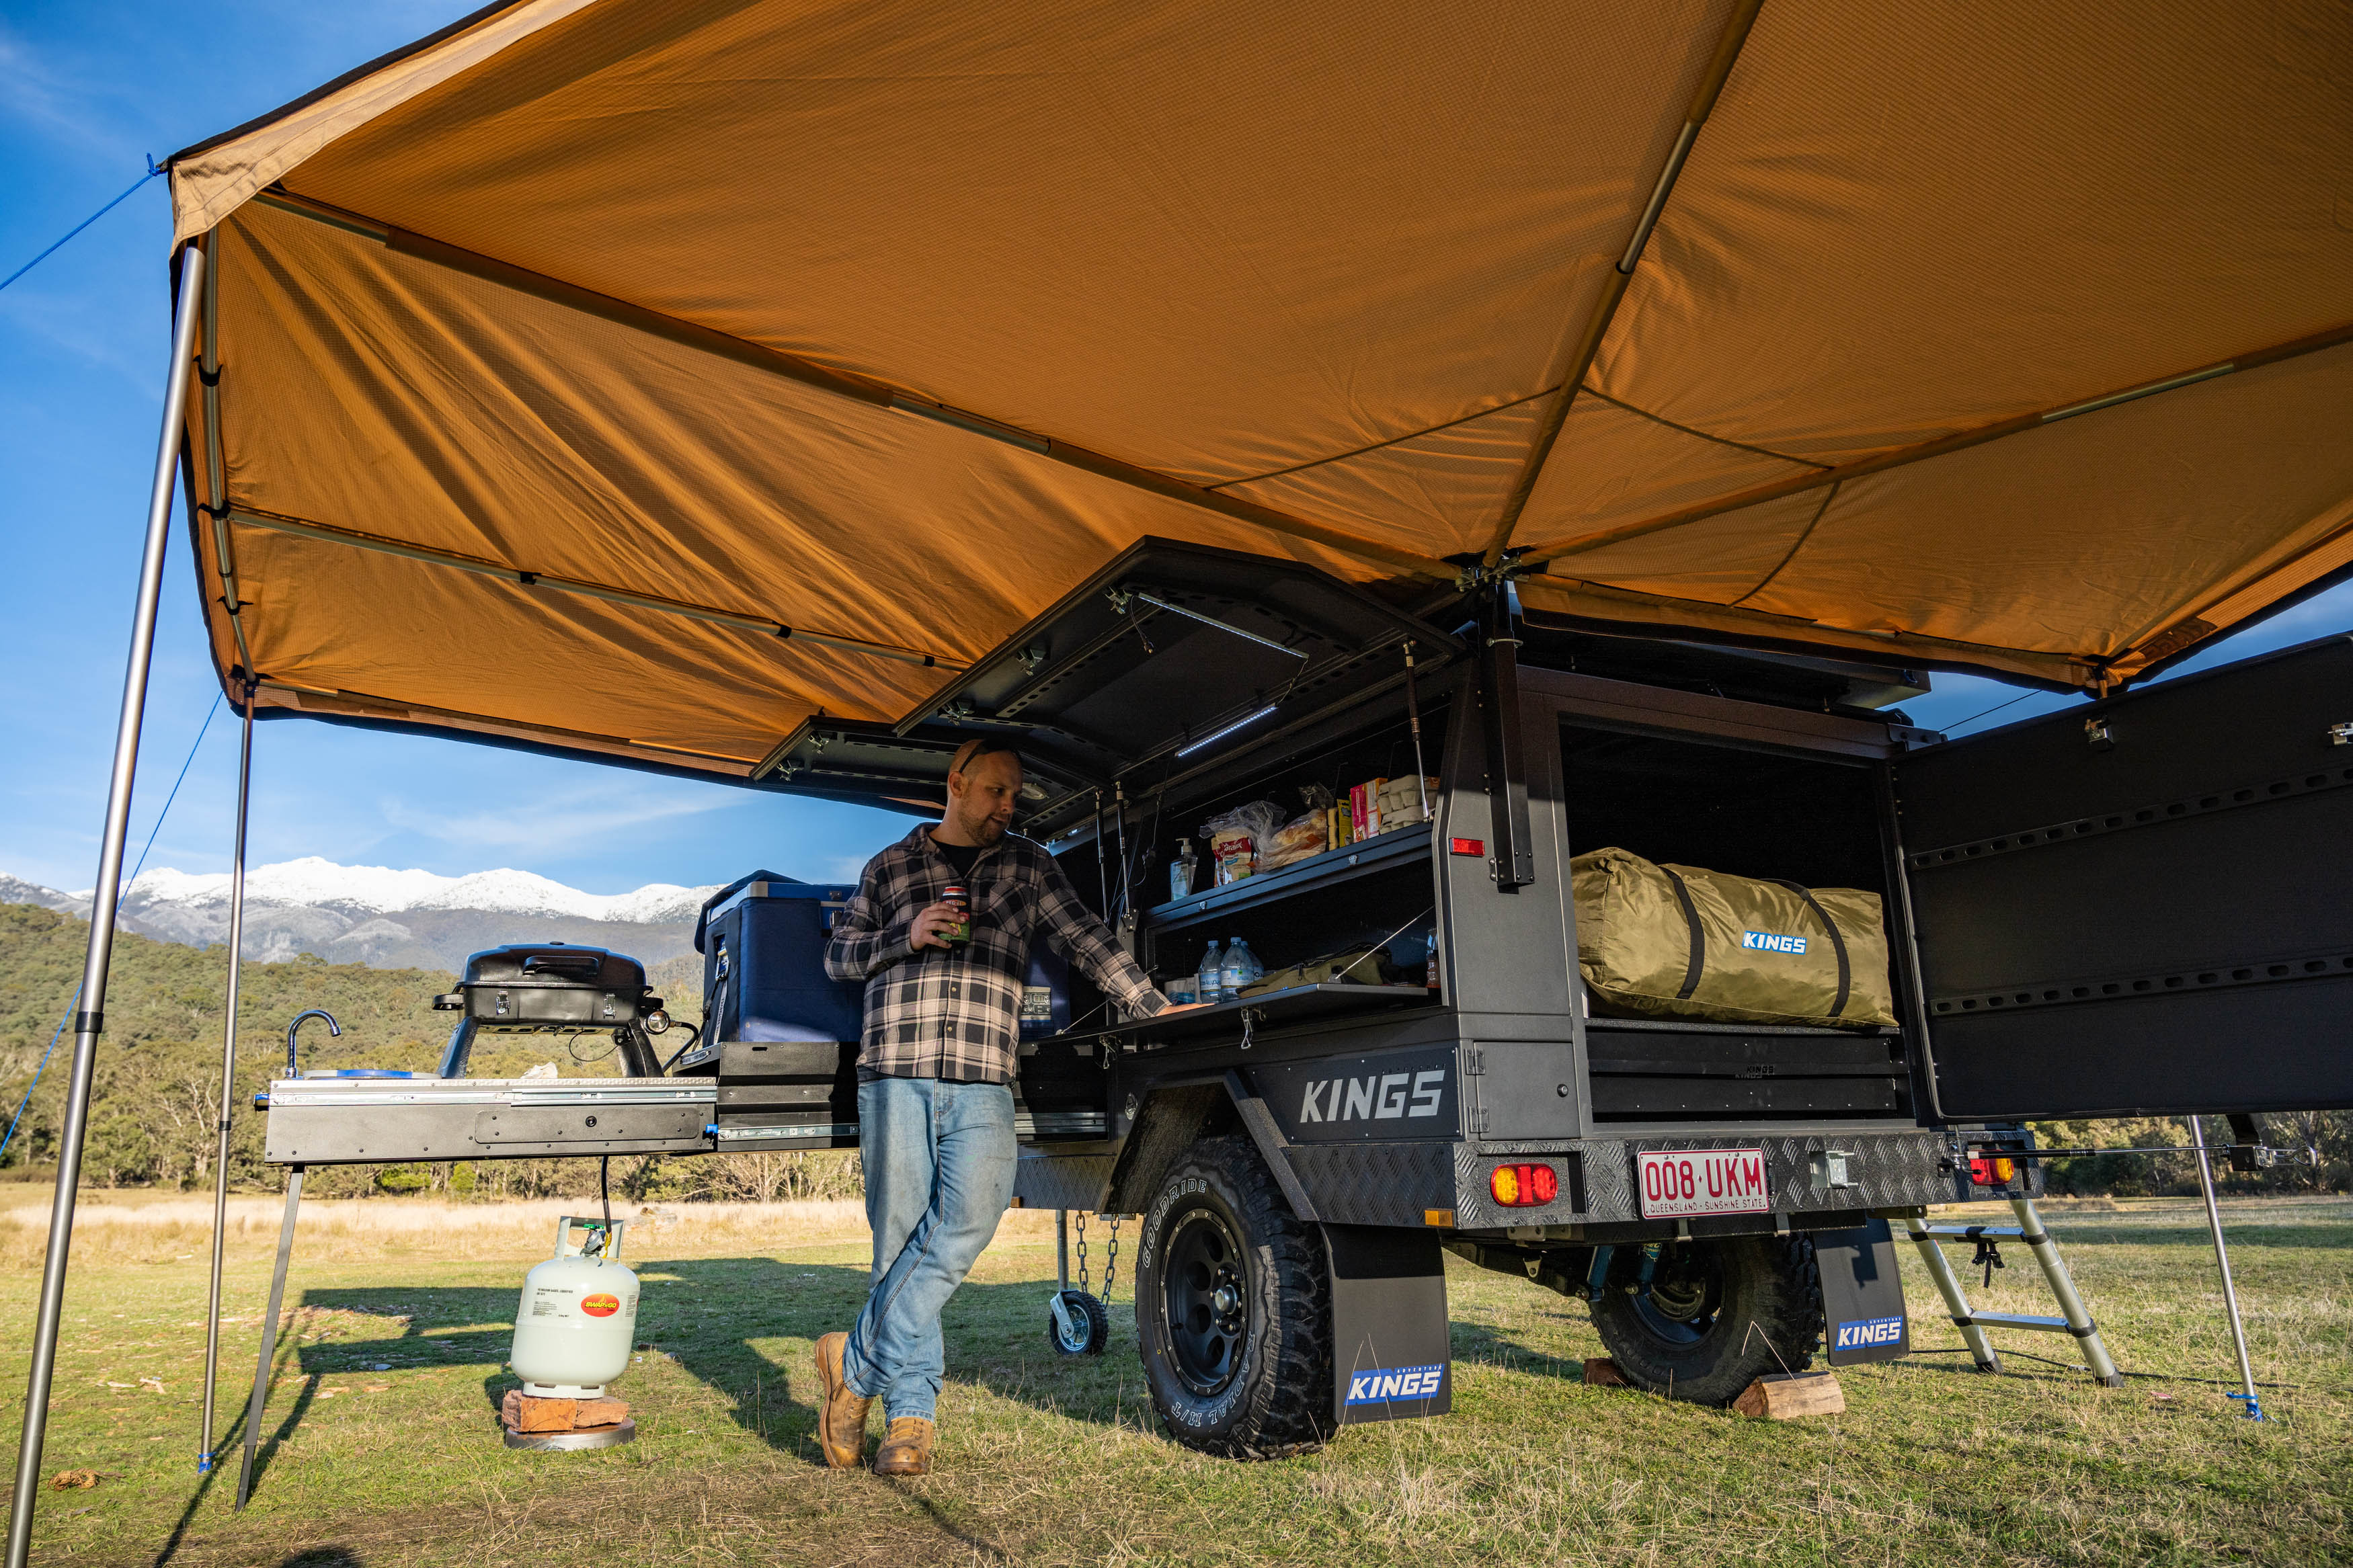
(1867, 1334)
(1383, 1383)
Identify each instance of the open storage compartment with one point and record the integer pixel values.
(1752, 811)
(1376, 891)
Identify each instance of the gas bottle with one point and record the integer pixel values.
(578, 1316)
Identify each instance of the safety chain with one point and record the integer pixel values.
(1111, 1262)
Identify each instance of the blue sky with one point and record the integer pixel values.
(86, 89)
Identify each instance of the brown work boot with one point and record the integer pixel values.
(906, 1449)
(841, 1413)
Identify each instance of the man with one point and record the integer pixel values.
(935, 1070)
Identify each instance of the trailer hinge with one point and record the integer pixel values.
(1474, 1061)
(1479, 1119)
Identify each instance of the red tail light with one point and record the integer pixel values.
(1524, 1186)
(1992, 1170)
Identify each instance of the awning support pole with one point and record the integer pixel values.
(268, 1336)
(108, 893)
(1614, 286)
(1413, 720)
(229, 1078)
(2255, 1410)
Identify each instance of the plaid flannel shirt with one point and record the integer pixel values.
(955, 1013)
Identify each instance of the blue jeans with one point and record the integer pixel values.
(938, 1159)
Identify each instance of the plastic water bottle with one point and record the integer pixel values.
(1242, 968)
(1212, 978)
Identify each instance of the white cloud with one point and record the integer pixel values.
(583, 814)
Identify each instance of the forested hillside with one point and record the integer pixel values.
(153, 1100)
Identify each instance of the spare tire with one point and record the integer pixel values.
(1713, 1316)
(1233, 1310)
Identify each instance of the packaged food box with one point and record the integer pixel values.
(1234, 853)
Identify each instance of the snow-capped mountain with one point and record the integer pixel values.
(392, 918)
(17, 891)
(381, 890)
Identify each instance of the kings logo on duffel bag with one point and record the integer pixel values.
(1771, 941)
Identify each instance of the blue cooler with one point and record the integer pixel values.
(781, 1037)
(763, 943)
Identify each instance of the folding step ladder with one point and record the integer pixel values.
(2075, 1320)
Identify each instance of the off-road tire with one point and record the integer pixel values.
(1769, 1318)
(1276, 1398)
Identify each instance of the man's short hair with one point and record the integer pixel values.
(972, 751)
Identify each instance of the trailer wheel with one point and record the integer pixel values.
(1233, 1310)
(1714, 1317)
(1084, 1326)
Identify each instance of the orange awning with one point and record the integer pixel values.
(646, 378)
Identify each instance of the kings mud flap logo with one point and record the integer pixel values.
(1864, 1334)
(1382, 1385)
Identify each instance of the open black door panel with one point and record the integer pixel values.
(2140, 906)
(1161, 652)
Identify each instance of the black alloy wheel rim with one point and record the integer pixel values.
(1205, 1299)
(1685, 1293)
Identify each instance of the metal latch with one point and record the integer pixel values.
(1833, 1168)
(2096, 734)
(2341, 734)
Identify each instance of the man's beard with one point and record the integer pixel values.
(989, 830)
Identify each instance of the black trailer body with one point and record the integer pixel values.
(2127, 907)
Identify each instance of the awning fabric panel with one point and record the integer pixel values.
(1904, 221)
(2219, 478)
(1330, 261)
(1219, 240)
(399, 400)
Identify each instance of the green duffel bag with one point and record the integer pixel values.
(1675, 942)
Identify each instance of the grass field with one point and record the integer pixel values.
(380, 1448)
